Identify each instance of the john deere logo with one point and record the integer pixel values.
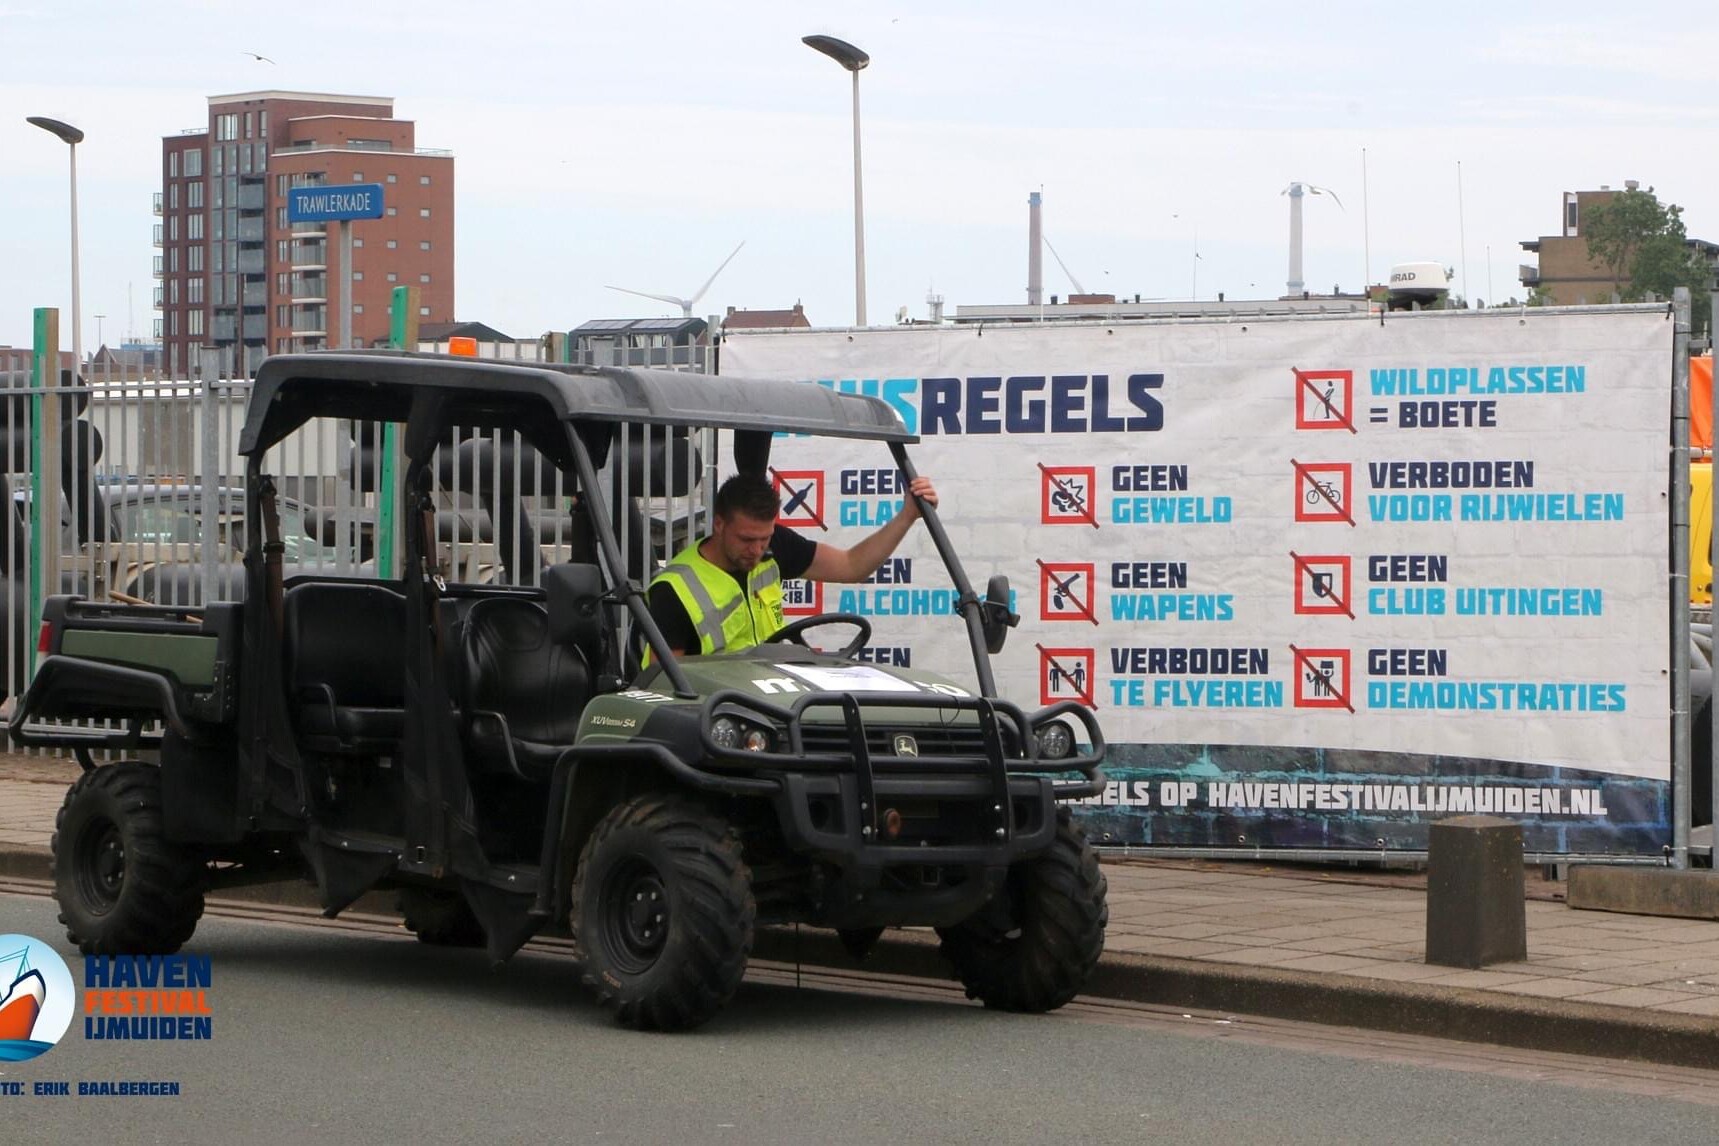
(906, 745)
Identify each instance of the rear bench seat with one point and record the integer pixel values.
(345, 649)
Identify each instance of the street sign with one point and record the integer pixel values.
(334, 204)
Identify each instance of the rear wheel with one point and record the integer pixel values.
(1033, 947)
(122, 887)
(664, 913)
(439, 918)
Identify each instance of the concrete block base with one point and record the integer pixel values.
(1645, 891)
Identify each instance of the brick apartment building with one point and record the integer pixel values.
(239, 282)
(1567, 274)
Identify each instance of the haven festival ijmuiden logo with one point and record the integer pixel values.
(37, 998)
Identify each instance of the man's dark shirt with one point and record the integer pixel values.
(793, 554)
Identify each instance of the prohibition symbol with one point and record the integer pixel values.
(802, 597)
(1322, 586)
(1065, 495)
(802, 493)
(1065, 592)
(1065, 674)
(1322, 491)
(1322, 678)
(1325, 400)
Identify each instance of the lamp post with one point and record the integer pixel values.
(853, 60)
(71, 136)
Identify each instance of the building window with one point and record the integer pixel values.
(369, 145)
(280, 250)
(245, 160)
(172, 322)
(281, 184)
(393, 179)
(423, 278)
(357, 276)
(282, 282)
(392, 211)
(173, 228)
(194, 163)
(357, 244)
(423, 180)
(227, 126)
(248, 125)
(392, 277)
(194, 258)
(194, 227)
(173, 292)
(423, 244)
(194, 196)
(423, 212)
(393, 243)
(263, 123)
(357, 308)
(193, 322)
(172, 165)
(424, 312)
(173, 197)
(358, 176)
(215, 157)
(194, 291)
(281, 218)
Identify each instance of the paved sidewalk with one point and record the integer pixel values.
(1329, 945)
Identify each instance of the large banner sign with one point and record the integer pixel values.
(1323, 581)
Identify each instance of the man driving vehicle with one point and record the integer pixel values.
(724, 592)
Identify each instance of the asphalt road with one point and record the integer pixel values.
(370, 1037)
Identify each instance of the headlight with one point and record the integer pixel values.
(757, 740)
(1055, 740)
(725, 730)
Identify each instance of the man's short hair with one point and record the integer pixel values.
(751, 495)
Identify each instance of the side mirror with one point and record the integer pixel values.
(996, 619)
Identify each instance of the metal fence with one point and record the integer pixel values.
(152, 504)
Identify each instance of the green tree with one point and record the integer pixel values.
(1643, 245)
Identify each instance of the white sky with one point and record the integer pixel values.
(636, 144)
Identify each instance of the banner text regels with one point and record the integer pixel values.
(1018, 404)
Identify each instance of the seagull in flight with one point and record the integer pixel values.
(255, 56)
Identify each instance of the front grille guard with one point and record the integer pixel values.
(864, 764)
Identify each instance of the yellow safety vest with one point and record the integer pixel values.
(724, 617)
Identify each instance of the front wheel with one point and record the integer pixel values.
(123, 888)
(664, 913)
(1033, 947)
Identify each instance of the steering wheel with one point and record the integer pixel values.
(795, 632)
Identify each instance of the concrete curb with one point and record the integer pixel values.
(1464, 1014)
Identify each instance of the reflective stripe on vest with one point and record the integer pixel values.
(724, 616)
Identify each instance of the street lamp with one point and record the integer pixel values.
(71, 136)
(853, 60)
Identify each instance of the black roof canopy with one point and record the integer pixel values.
(381, 385)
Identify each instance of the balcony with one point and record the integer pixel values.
(249, 230)
(157, 266)
(256, 294)
(256, 327)
(157, 203)
(158, 297)
(309, 288)
(157, 241)
(306, 255)
(310, 320)
(251, 261)
(253, 197)
(223, 328)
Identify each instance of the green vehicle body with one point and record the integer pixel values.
(495, 754)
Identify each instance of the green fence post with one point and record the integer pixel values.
(44, 523)
(402, 335)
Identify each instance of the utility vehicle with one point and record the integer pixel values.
(495, 753)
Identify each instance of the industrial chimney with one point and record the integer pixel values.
(1035, 267)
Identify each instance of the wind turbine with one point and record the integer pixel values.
(1295, 192)
(1078, 289)
(685, 304)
